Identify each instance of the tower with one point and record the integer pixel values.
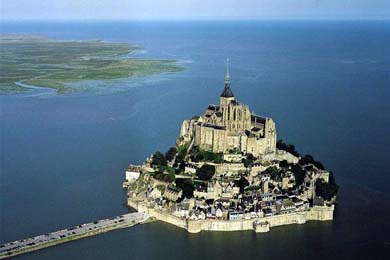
(227, 93)
(226, 99)
(264, 183)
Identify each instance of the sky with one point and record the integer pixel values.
(193, 9)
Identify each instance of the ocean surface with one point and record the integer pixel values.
(325, 83)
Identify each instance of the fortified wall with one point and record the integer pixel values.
(324, 213)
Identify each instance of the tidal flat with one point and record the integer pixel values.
(38, 61)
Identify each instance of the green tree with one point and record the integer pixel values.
(159, 159)
(248, 160)
(299, 174)
(182, 151)
(308, 159)
(187, 186)
(199, 155)
(287, 147)
(206, 172)
(170, 154)
(242, 183)
(274, 173)
(332, 180)
(167, 177)
(326, 190)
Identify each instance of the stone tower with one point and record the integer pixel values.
(264, 183)
(235, 116)
(230, 127)
(227, 95)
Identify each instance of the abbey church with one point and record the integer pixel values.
(230, 126)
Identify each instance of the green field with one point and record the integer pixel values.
(49, 63)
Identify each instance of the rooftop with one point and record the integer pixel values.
(227, 91)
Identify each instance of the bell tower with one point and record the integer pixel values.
(227, 93)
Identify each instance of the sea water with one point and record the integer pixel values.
(325, 84)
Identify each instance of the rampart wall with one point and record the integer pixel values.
(195, 226)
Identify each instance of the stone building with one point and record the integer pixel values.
(230, 126)
(173, 193)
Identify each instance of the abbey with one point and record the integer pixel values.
(228, 173)
(230, 126)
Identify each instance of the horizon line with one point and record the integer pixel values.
(193, 20)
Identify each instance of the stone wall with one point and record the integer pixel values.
(168, 218)
(228, 169)
(280, 155)
(195, 226)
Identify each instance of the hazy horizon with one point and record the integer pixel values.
(193, 20)
(194, 10)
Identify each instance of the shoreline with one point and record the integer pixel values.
(67, 61)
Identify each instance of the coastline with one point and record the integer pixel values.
(57, 64)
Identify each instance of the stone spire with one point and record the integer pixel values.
(227, 92)
(227, 77)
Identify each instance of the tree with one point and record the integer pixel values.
(182, 151)
(206, 172)
(159, 159)
(167, 177)
(199, 155)
(242, 183)
(299, 174)
(187, 186)
(332, 180)
(170, 154)
(326, 190)
(248, 160)
(287, 147)
(283, 163)
(179, 160)
(308, 159)
(274, 173)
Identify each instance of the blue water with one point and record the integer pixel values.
(326, 84)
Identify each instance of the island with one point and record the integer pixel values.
(28, 60)
(228, 172)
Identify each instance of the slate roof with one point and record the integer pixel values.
(227, 91)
